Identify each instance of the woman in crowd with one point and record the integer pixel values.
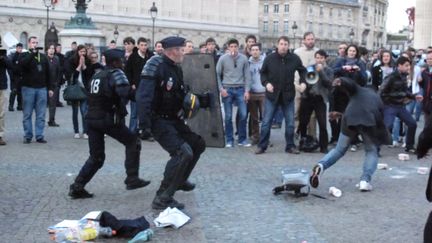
(81, 74)
(353, 68)
(380, 72)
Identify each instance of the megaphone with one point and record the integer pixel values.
(311, 75)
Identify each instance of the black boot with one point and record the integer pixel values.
(187, 186)
(77, 191)
(161, 203)
(135, 183)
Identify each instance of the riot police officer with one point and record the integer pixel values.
(163, 103)
(109, 93)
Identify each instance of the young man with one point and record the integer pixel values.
(189, 47)
(277, 75)
(15, 78)
(256, 94)
(55, 77)
(211, 49)
(314, 99)
(233, 74)
(129, 45)
(133, 69)
(5, 64)
(358, 118)
(395, 93)
(249, 40)
(158, 48)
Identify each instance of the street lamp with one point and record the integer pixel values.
(153, 14)
(294, 27)
(351, 35)
(116, 33)
(49, 4)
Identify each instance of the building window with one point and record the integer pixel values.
(24, 39)
(331, 12)
(310, 9)
(339, 12)
(265, 26)
(286, 26)
(330, 31)
(321, 10)
(309, 26)
(321, 30)
(275, 26)
(276, 8)
(266, 8)
(286, 8)
(339, 32)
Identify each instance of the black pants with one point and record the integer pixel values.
(52, 105)
(15, 94)
(96, 131)
(171, 135)
(307, 106)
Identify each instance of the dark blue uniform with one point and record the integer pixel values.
(160, 108)
(109, 93)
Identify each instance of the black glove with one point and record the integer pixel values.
(145, 134)
(206, 100)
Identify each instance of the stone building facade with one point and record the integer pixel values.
(423, 24)
(333, 21)
(194, 20)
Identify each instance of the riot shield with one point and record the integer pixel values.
(199, 72)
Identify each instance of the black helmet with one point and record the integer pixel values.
(191, 105)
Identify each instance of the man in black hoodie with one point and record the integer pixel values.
(133, 69)
(35, 83)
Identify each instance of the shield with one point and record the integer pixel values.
(199, 74)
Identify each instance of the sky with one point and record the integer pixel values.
(396, 16)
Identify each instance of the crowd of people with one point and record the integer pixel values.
(364, 96)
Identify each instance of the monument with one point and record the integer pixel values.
(81, 29)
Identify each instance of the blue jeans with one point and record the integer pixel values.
(278, 117)
(133, 121)
(417, 105)
(343, 143)
(83, 109)
(270, 109)
(235, 97)
(34, 99)
(392, 111)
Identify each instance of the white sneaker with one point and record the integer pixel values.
(229, 145)
(77, 136)
(365, 186)
(353, 148)
(394, 144)
(85, 136)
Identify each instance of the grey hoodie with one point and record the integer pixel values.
(233, 72)
(255, 85)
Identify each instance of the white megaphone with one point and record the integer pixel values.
(311, 75)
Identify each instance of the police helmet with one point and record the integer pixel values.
(191, 105)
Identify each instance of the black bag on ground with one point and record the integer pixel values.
(74, 92)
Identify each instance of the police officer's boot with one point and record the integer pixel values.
(76, 190)
(199, 147)
(132, 166)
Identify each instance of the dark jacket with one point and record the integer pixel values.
(54, 70)
(134, 66)
(427, 88)
(35, 68)
(279, 71)
(360, 77)
(361, 118)
(394, 90)
(4, 66)
(377, 77)
(323, 86)
(15, 72)
(62, 59)
(87, 74)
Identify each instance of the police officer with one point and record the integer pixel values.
(109, 93)
(163, 103)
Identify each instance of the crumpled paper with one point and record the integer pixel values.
(171, 217)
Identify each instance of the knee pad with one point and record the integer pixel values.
(185, 153)
(200, 146)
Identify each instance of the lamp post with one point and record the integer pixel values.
(116, 33)
(153, 14)
(351, 35)
(49, 4)
(294, 27)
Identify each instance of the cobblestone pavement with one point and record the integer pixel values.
(232, 202)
